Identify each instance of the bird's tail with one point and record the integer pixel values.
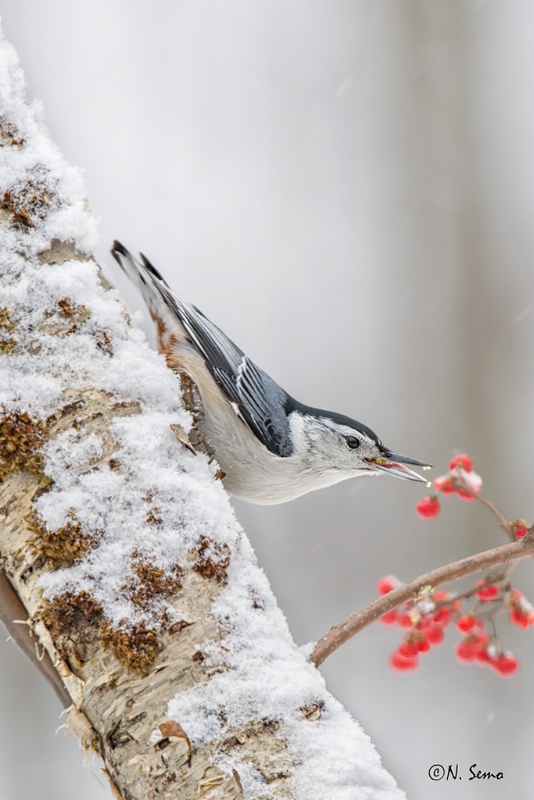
(145, 276)
(161, 303)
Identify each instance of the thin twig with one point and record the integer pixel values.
(339, 634)
(501, 519)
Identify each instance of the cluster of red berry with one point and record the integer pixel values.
(460, 480)
(477, 646)
(424, 620)
(426, 617)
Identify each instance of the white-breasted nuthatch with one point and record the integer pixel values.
(270, 447)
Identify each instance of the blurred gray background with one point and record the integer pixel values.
(346, 187)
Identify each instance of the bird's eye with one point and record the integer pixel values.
(352, 442)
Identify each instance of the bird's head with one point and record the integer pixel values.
(334, 443)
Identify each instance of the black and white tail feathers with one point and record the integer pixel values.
(145, 276)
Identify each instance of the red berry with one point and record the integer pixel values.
(483, 652)
(505, 664)
(487, 592)
(408, 648)
(521, 612)
(405, 620)
(387, 584)
(520, 619)
(465, 495)
(466, 650)
(390, 617)
(435, 634)
(473, 646)
(401, 663)
(473, 482)
(465, 623)
(428, 507)
(444, 485)
(519, 528)
(482, 655)
(423, 623)
(442, 616)
(462, 461)
(523, 619)
(423, 644)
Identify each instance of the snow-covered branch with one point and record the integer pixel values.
(120, 542)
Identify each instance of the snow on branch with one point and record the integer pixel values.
(121, 543)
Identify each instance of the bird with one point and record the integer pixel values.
(270, 447)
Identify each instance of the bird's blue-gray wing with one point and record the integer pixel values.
(255, 397)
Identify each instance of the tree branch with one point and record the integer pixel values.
(341, 633)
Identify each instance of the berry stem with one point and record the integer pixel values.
(459, 484)
(505, 554)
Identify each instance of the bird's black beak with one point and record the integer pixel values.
(394, 465)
